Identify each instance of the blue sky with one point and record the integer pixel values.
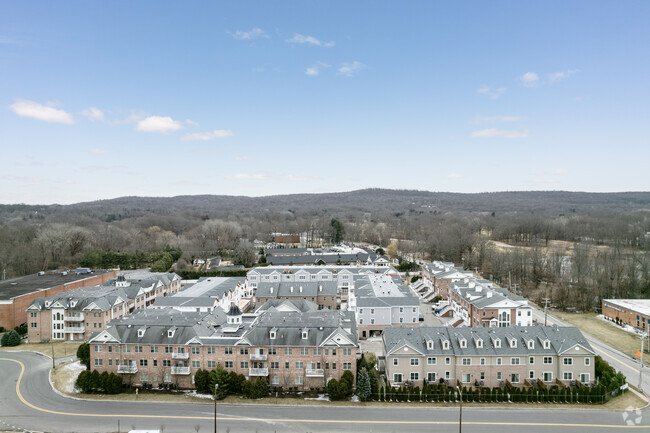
(107, 99)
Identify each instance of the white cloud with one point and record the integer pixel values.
(99, 151)
(499, 133)
(191, 122)
(245, 176)
(255, 33)
(93, 114)
(495, 119)
(350, 69)
(454, 176)
(205, 136)
(38, 111)
(530, 79)
(314, 70)
(494, 93)
(309, 40)
(158, 124)
(557, 76)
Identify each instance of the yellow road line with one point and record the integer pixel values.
(319, 421)
(615, 360)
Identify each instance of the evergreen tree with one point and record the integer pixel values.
(83, 353)
(220, 376)
(363, 385)
(202, 381)
(11, 338)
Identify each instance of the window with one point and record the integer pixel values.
(228, 364)
(144, 377)
(431, 361)
(415, 376)
(514, 378)
(304, 351)
(167, 363)
(395, 361)
(227, 350)
(318, 351)
(568, 375)
(98, 361)
(347, 366)
(401, 309)
(333, 352)
(466, 378)
(397, 377)
(288, 351)
(153, 349)
(110, 361)
(196, 350)
(299, 365)
(568, 361)
(32, 324)
(531, 374)
(482, 361)
(333, 365)
(548, 376)
(360, 310)
(167, 378)
(531, 360)
(168, 349)
(243, 364)
(143, 363)
(497, 343)
(137, 349)
(401, 320)
(32, 314)
(360, 321)
(212, 364)
(467, 361)
(415, 361)
(275, 364)
(499, 361)
(196, 364)
(273, 352)
(431, 377)
(98, 348)
(372, 311)
(445, 345)
(414, 309)
(447, 361)
(463, 344)
(275, 380)
(498, 375)
(243, 350)
(584, 377)
(514, 361)
(587, 361)
(548, 360)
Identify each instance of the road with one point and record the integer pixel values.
(621, 362)
(28, 402)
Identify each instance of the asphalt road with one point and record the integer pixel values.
(27, 401)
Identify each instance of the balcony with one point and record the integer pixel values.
(180, 370)
(258, 371)
(74, 329)
(258, 357)
(315, 372)
(180, 355)
(78, 318)
(127, 369)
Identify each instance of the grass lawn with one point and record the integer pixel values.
(60, 348)
(606, 332)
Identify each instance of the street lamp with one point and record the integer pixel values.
(460, 416)
(216, 386)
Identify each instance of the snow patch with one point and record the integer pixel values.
(193, 393)
(75, 368)
(626, 328)
(321, 397)
(355, 399)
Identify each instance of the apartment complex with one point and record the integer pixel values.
(17, 294)
(294, 350)
(380, 301)
(472, 301)
(74, 315)
(487, 356)
(322, 293)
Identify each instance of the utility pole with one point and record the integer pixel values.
(52, 345)
(509, 281)
(460, 416)
(546, 301)
(216, 386)
(641, 367)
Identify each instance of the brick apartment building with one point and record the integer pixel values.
(292, 350)
(17, 294)
(633, 312)
(74, 315)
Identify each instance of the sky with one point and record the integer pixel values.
(153, 98)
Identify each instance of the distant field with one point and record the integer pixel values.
(606, 332)
(60, 348)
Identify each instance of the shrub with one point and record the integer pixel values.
(202, 381)
(83, 353)
(21, 330)
(11, 338)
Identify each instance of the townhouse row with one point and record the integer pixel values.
(491, 357)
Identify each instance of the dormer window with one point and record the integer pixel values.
(304, 335)
(497, 343)
(430, 345)
(513, 343)
(547, 344)
(272, 335)
(531, 344)
(140, 333)
(170, 333)
(463, 343)
(479, 343)
(445, 345)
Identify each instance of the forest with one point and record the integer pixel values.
(575, 248)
